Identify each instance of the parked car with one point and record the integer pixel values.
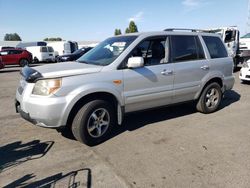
(124, 74)
(16, 57)
(245, 72)
(2, 65)
(74, 56)
(64, 47)
(42, 53)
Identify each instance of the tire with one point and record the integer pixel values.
(23, 62)
(212, 92)
(86, 126)
(35, 60)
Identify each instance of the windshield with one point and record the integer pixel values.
(246, 36)
(107, 51)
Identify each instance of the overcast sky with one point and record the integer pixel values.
(97, 19)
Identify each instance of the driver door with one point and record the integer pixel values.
(151, 85)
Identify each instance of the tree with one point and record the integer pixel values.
(118, 32)
(132, 28)
(53, 39)
(12, 37)
(127, 30)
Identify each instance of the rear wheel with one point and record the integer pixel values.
(210, 98)
(93, 122)
(23, 62)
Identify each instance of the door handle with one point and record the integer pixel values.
(205, 67)
(167, 72)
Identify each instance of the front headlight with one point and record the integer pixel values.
(245, 65)
(47, 87)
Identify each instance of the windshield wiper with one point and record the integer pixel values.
(85, 62)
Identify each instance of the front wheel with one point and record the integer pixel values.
(93, 122)
(210, 99)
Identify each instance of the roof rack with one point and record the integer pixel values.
(184, 29)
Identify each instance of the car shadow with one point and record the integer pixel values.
(245, 82)
(9, 71)
(229, 98)
(16, 153)
(69, 180)
(137, 120)
(237, 69)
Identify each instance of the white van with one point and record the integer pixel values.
(64, 47)
(42, 53)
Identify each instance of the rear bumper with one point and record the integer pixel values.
(228, 83)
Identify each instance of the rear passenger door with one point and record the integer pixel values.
(190, 66)
(5, 57)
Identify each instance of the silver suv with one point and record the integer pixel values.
(124, 74)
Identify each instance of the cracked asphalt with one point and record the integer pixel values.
(167, 147)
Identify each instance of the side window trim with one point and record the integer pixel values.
(223, 51)
(123, 63)
(196, 37)
(199, 47)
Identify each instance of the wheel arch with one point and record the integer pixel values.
(212, 80)
(107, 96)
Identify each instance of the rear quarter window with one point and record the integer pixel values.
(215, 47)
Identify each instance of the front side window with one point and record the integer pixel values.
(50, 49)
(186, 48)
(153, 51)
(107, 51)
(15, 52)
(215, 47)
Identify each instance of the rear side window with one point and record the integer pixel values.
(4, 53)
(215, 47)
(43, 49)
(186, 48)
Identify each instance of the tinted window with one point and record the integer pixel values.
(15, 52)
(215, 47)
(186, 48)
(41, 44)
(152, 50)
(44, 49)
(50, 49)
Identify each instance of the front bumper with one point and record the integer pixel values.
(47, 112)
(245, 74)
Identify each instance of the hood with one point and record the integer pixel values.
(65, 69)
(244, 39)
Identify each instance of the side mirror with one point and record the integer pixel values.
(135, 62)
